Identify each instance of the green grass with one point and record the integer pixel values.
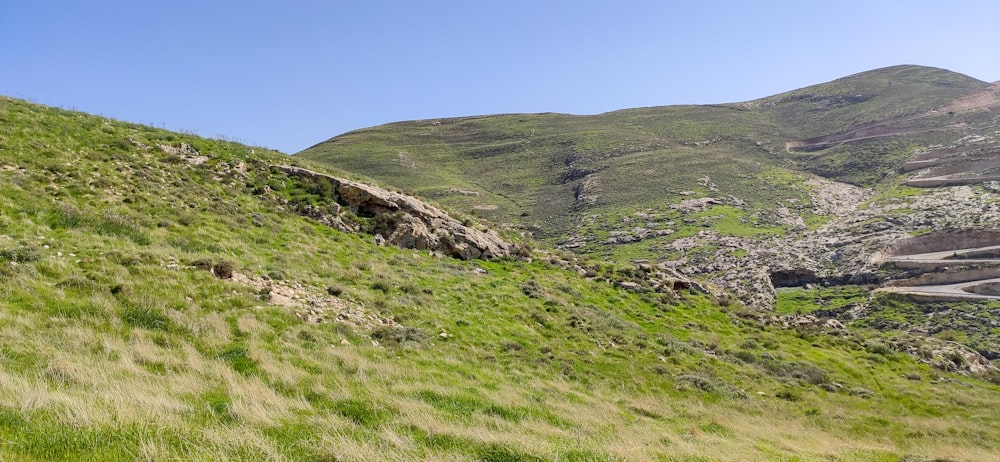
(805, 301)
(547, 173)
(119, 342)
(732, 221)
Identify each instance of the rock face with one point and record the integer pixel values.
(408, 222)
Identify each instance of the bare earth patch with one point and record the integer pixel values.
(311, 304)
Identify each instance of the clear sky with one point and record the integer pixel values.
(289, 74)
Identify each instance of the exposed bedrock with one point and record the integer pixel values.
(411, 223)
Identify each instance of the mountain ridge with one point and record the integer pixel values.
(903, 67)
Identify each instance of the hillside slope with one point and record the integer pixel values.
(552, 168)
(806, 180)
(164, 296)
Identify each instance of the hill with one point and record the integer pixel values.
(552, 168)
(670, 184)
(166, 296)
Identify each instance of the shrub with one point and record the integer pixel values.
(21, 254)
(120, 224)
(276, 275)
(381, 286)
(993, 376)
(701, 383)
(879, 349)
(399, 336)
(745, 356)
(861, 391)
(531, 288)
(500, 453)
(223, 269)
(788, 395)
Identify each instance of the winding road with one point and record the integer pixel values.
(978, 289)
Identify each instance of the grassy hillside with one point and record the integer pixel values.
(882, 94)
(560, 175)
(159, 299)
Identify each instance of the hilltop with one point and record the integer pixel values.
(168, 296)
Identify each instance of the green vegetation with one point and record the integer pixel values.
(162, 297)
(967, 323)
(549, 174)
(832, 299)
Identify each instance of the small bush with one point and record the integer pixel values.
(745, 356)
(862, 392)
(398, 336)
(701, 383)
(811, 374)
(223, 269)
(276, 275)
(381, 286)
(120, 224)
(879, 349)
(67, 216)
(21, 254)
(188, 219)
(993, 376)
(788, 395)
(501, 453)
(531, 288)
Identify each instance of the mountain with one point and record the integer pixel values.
(165, 296)
(731, 193)
(553, 168)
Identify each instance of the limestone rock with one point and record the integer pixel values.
(418, 226)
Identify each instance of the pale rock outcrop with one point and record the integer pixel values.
(415, 224)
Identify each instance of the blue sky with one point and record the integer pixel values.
(290, 74)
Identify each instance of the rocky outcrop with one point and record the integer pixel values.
(851, 248)
(406, 221)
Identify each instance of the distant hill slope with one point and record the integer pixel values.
(164, 296)
(720, 191)
(553, 169)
